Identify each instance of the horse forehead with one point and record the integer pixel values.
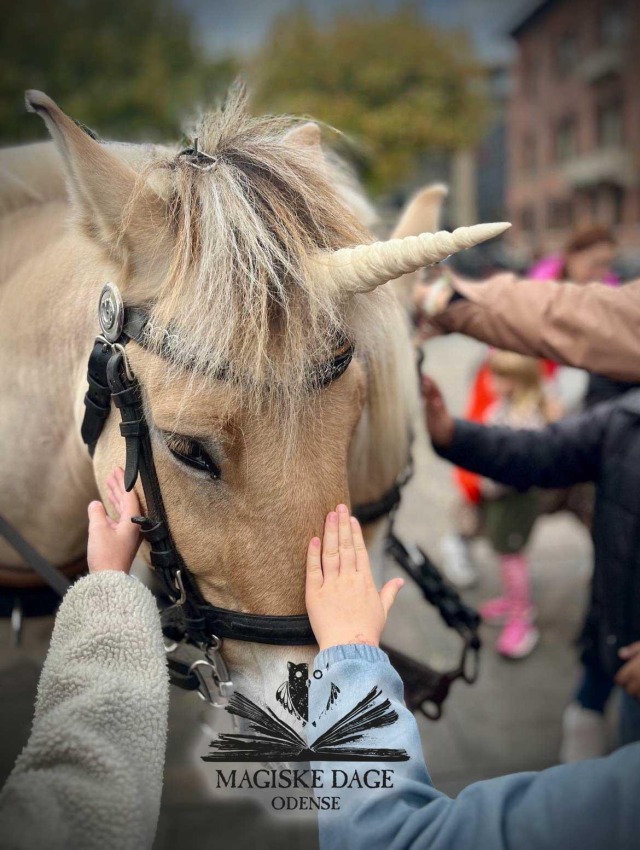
(183, 399)
(187, 403)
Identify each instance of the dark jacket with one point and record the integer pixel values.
(601, 389)
(601, 445)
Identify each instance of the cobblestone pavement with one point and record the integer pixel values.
(508, 721)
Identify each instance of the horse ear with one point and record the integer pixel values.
(422, 213)
(308, 137)
(114, 202)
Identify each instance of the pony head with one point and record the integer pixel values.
(255, 271)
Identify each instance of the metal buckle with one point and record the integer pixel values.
(213, 676)
(116, 346)
(199, 159)
(182, 594)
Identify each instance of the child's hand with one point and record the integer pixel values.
(342, 600)
(113, 543)
(439, 421)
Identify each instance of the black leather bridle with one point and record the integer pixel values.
(194, 628)
(189, 615)
(186, 616)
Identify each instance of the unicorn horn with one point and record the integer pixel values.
(365, 267)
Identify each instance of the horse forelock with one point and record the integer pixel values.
(241, 291)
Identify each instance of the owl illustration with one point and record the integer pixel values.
(294, 693)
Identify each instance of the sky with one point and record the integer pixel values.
(238, 26)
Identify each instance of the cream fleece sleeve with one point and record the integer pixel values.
(90, 776)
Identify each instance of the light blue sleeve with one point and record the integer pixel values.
(591, 805)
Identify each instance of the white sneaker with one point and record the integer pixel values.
(457, 564)
(583, 734)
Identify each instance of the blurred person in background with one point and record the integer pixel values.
(508, 515)
(588, 255)
(601, 445)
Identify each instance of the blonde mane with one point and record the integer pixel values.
(243, 296)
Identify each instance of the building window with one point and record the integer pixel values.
(613, 22)
(567, 53)
(566, 139)
(560, 213)
(610, 124)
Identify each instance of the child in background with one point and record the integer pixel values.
(509, 515)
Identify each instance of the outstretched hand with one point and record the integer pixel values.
(440, 423)
(113, 543)
(343, 602)
(628, 676)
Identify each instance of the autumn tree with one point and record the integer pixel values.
(130, 68)
(395, 84)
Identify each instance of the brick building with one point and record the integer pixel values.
(573, 123)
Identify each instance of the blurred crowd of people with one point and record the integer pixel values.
(527, 448)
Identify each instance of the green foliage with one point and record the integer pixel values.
(395, 84)
(128, 68)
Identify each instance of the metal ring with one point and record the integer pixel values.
(430, 709)
(470, 669)
(215, 643)
(182, 598)
(202, 687)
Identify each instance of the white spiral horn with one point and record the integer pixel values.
(364, 267)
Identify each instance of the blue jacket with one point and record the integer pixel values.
(590, 805)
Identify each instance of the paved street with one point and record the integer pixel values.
(508, 721)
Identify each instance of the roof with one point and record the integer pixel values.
(535, 14)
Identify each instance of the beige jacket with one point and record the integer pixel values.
(593, 327)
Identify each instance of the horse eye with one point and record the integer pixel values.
(193, 454)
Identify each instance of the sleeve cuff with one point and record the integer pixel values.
(351, 652)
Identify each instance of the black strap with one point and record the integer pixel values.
(445, 599)
(136, 320)
(53, 577)
(372, 511)
(165, 558)
(97, 400)
(294, 630)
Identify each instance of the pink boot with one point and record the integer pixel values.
(494, 611)
(519, 636)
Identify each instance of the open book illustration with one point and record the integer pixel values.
(272, 739)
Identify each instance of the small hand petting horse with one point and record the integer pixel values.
(255, 269)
